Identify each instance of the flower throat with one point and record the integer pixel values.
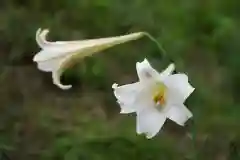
(159, 94)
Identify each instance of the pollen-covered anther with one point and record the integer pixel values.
(159, 99)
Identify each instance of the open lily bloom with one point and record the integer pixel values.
(155, 97)
(56, 56)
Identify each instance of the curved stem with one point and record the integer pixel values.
(156, 42)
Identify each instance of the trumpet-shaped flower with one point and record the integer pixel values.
(155, 97)
(56, 56)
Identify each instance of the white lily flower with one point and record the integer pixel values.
(56, 56)
(155, 97)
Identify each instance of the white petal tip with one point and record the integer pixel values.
(56, 80)
(38, 31)
(126, 111)
(39, 57)
(115, 85)
(35, 58)
(64, 87)
(181, 124)
(41, 37)
(149, 136)
(192, 89)
(145, 60)
(123, 112)
(172, 66)
(190, 116)
(184, 123)
(41, 31)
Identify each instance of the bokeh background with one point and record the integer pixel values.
(38, 121)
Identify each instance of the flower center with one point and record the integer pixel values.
(159, 94)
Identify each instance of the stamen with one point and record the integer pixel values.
(159, 96)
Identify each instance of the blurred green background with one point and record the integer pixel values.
(38, 121)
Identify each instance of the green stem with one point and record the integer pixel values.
(156, 42)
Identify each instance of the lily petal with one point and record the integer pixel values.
(145, 71)
(178, 84)
(49, 66)
(127, 108)
(126, 96)
(167, 72)
(179, 114)
(56, 81)
(150, 121)
(55, 57)
(41, 37)
(62, 48)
